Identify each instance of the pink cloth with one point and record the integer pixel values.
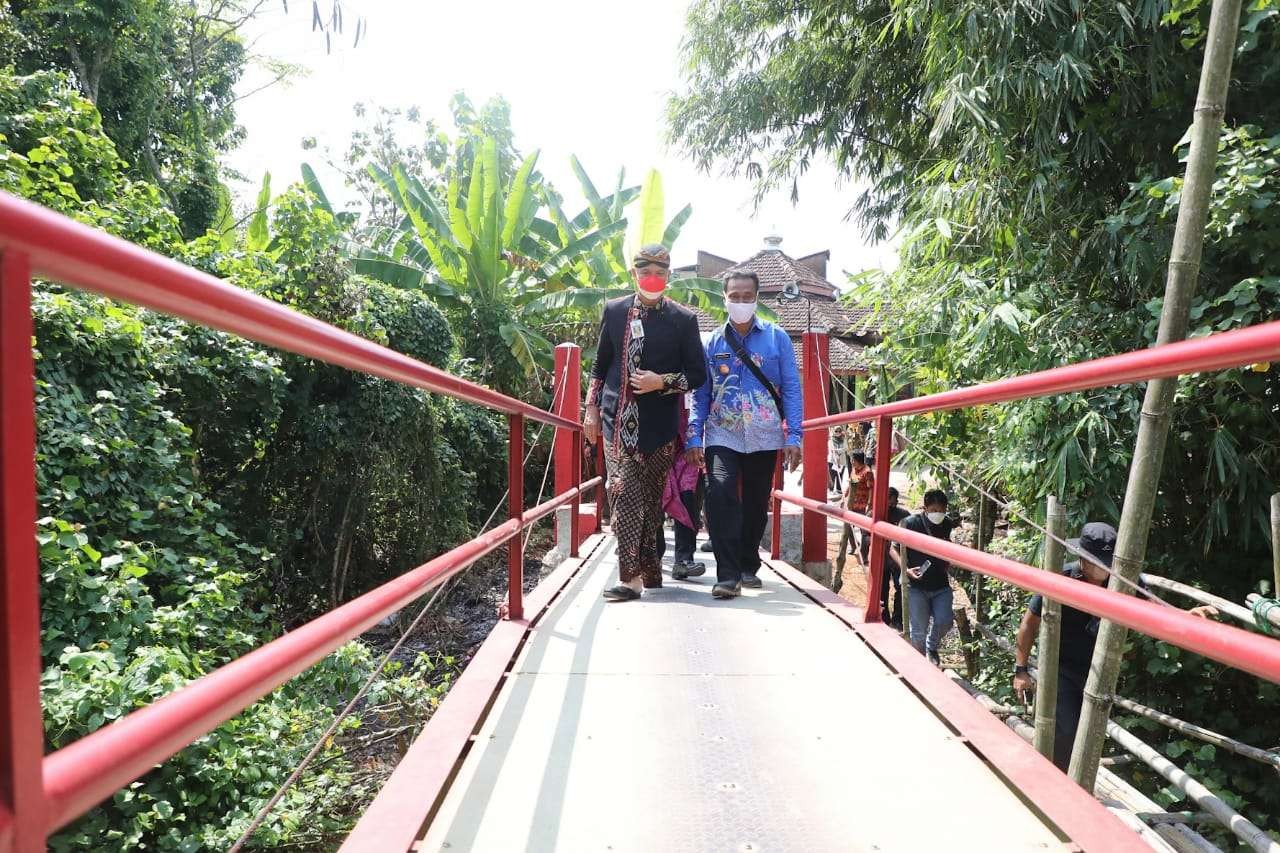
(682, 477)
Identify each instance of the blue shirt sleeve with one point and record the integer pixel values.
(792, 405)
(701, 405)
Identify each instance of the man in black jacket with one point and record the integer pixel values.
(649, 353)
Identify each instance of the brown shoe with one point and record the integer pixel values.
(653, 583)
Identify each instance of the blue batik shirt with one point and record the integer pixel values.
(732, 409)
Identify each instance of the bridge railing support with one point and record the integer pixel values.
(567, 449)
(515, 504)
(879, 512)
(813, 549)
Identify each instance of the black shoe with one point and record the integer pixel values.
(621, 592)
(935, 660)
(679, 572)
(705, 547)
(691, 568)
(752, 582)
(726, 590)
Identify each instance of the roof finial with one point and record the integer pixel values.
(773, 240)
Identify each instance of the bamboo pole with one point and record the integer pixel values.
(1229, 608)
(1275, 543)
(1153, 428)
(1050, 633)
(1202, 796)
(1272, 614)
(981, 546)
(968, 642)
(1206, 735)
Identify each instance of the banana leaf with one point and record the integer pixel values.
(651, 204)
(313, 184)
(259, 236)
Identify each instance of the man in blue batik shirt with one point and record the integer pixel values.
(740, 420)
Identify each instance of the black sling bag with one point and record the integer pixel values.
(731, 336)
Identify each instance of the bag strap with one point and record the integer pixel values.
(731, 336)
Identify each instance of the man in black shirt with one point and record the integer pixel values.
(648, 355)
(1096, 548)
(928, 580)
(892, 574)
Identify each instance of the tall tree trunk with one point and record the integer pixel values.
(1153, 429)
(1050, 634)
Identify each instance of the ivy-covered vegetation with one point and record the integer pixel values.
(1029, 156)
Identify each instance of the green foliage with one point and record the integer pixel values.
(1030, 157)
(162, 74)
(53, 151)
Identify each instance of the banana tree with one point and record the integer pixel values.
(482, 253)
(605, 272)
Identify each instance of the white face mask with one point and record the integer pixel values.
(741, 312)
(936, 517)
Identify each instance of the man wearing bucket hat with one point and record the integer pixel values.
(648, 355)
(1096, 548)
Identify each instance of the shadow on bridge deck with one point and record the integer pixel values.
(683, 723)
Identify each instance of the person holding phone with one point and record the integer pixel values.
(928, 577)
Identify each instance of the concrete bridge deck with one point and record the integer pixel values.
(764, 723)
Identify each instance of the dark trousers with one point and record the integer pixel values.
(1066, 717)
(891, 576)
(738, 489)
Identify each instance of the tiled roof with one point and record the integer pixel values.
(776, 269)
(796, 315)
(846, 358)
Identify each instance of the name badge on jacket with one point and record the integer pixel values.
(637, 328)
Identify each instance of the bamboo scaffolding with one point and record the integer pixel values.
(1125, 801)
(1273, 614)
(1206, 735)
(1230, 608)
(1050, 633)
(1157, 405)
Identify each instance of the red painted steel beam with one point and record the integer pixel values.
(879, 512)
(1252, 653)
(82, 257)
(80, 775)
(22, 804)
(515, 507)
(1237, 348)
(567, 403)
(813, 443)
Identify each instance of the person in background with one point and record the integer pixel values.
(747, 411)
(928, 577)
(892, 573)
(862, 481)
(649, 353)
(682, 501)
(836, 461)
(1095, 548)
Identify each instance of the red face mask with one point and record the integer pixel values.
(651, 284)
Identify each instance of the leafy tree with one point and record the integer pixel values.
(1029, 156)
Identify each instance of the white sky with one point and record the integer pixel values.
(578, 83)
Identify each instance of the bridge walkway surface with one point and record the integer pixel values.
(684, 723)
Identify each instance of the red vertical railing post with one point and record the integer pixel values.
(601, 495)
(775, 534)
(879, 512)
(814, 446)
(515, 502)
(575, 508)
(566, 402)
(22, 804)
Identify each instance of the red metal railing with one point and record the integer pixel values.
(39, 794)
(1233, 646)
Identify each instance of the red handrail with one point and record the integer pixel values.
(83, 773)
(1227, 644)
(1232, 646)
(1237, 348)
(36, 241)
(82, 257)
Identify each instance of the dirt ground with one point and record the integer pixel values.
(854, 589)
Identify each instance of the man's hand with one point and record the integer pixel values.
(1204, 611)
(914, 572)
(695, 457)
(791, 457)
(591, 425)
(645, 381)
(1023, 684)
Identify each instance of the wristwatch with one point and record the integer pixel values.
(1018, 669)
